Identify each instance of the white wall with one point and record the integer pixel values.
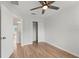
(62, 29)
(28, 29)
(7, 45)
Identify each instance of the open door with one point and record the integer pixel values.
(7, 42)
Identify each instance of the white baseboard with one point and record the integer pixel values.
(63, 49)
(10, 53)
(29, 43)
(26, 44)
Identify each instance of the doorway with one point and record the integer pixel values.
(17, 30)
(35, 32)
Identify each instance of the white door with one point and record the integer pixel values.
(7, 42)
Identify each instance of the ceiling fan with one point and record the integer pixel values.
(45, 5)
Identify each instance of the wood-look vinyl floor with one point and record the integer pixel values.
(42, 50)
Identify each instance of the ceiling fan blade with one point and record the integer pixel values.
(41, 2)
(53, 7)
(36, 8)
(50, 2)
(43, 11)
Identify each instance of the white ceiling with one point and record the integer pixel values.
(24, 8)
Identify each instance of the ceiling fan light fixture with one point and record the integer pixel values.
(45, 7)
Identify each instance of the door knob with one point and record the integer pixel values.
(3, 38)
